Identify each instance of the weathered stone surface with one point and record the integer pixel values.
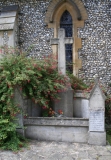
(81, 107)
(57, 133)
(97, 138)
(19, 100)
(56, 121)
(97, 134)
(82, 94)
(57, 129)
(7, 20)
(97, 99)
(65, 103)
(58, 151)
(96, 121)
(8, 27)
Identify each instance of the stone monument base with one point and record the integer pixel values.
(97, 138)
(74, 130)
(65, 103)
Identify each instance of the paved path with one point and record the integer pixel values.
(59, 151)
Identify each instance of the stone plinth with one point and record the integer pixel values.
(97, 134)
(57, 129)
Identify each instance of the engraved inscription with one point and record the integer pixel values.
(96, 121)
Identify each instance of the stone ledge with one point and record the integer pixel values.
(82, 94)
(55, 121)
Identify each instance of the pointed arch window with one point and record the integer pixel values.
(66, 23)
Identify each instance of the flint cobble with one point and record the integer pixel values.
(42, 150)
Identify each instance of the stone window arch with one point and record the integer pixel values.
(78, 14)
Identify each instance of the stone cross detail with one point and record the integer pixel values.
(61, 41)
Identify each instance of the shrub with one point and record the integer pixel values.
(76, 83)
(38, 80)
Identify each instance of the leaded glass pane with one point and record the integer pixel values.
(66, 23)
(69, 64)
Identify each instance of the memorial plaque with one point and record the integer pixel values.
(96, 121)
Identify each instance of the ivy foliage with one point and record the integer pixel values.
(38, 80)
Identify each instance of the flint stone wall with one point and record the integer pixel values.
(96, 34)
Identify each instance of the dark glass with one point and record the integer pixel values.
(68, 51)
(66, 23)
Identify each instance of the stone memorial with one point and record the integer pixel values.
(18, 98)
(66, 98)
(97, 134)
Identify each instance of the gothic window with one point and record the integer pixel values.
(66, 23)
(68, 51)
